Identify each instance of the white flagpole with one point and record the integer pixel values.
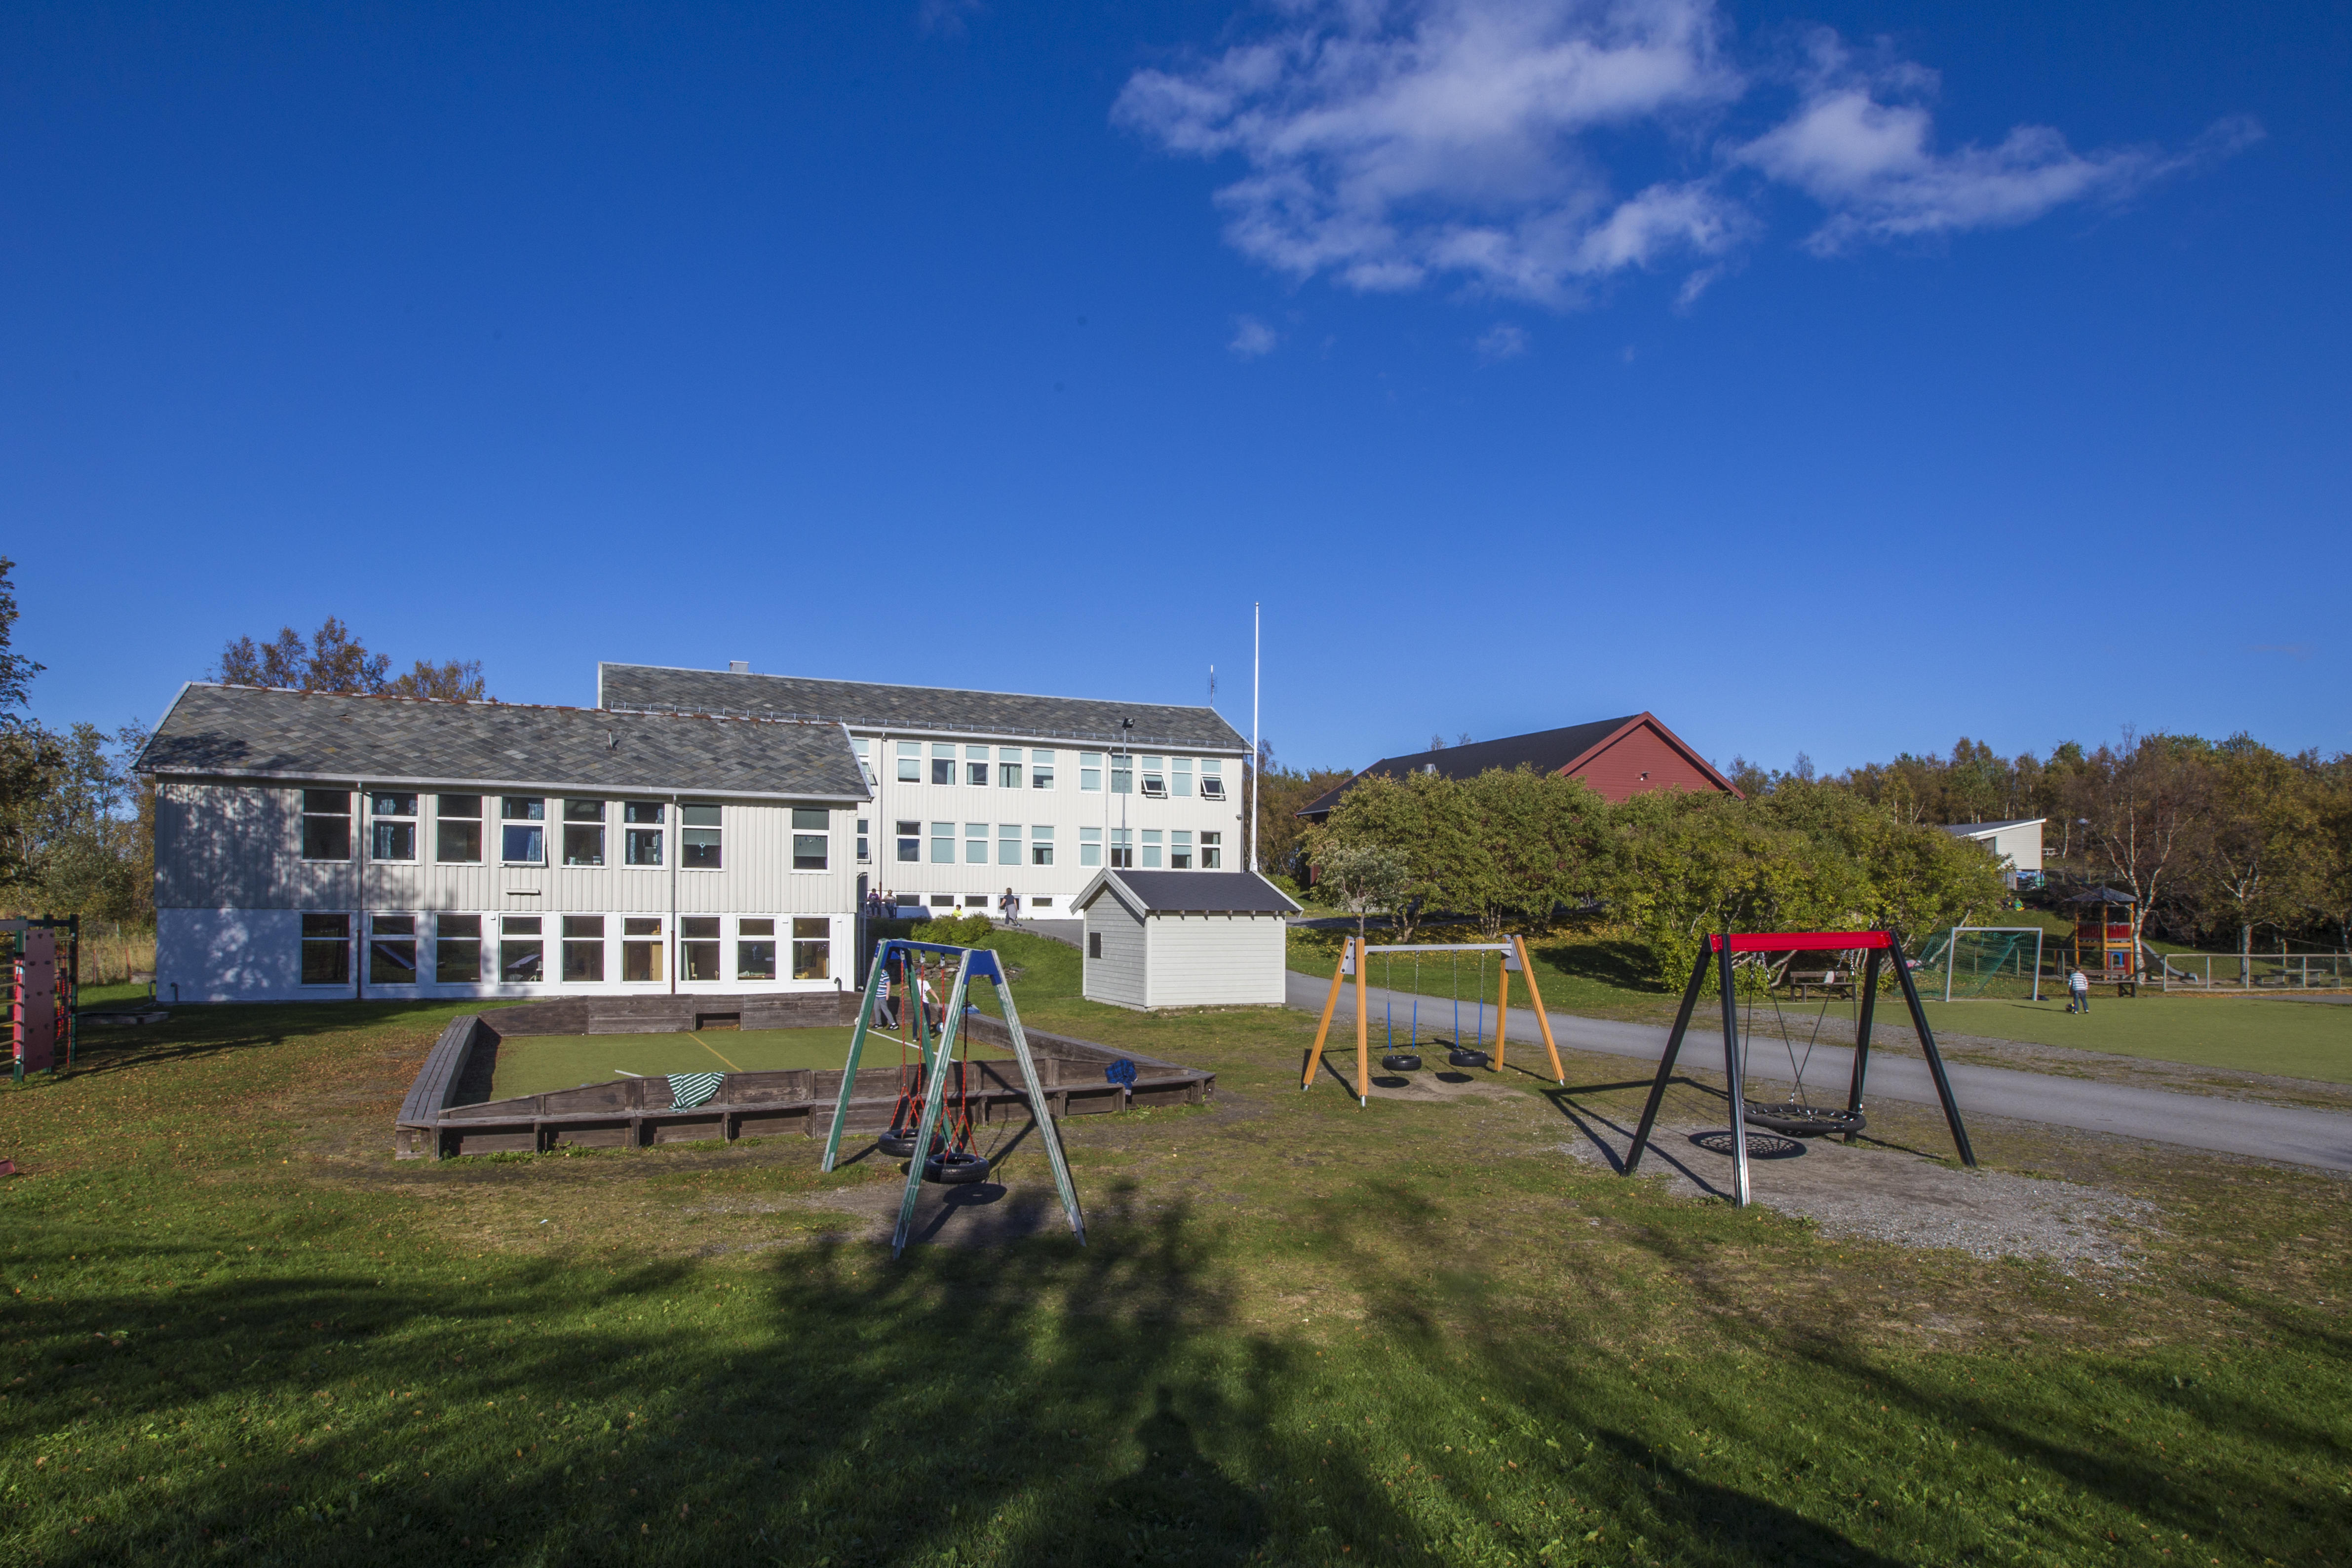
(1256, 783)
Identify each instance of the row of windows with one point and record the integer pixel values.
(396, 826)
(1011, 847)
(459, 949)
(1014, 768)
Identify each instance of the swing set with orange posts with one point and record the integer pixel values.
(1355, 958)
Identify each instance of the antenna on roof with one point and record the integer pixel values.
(1212, 685)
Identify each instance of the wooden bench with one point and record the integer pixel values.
(1825, 981)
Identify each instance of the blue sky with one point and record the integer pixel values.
(1839, 379)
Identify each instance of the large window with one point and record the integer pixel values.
(865, 841)
(522, 830)
(755, 949)
(698, 948)
(975, 843)
(583, 948)
(327, 946)
(1155, 777)
(457, 947)
(458, 830)
(1090, 846)
(1041, 770)
(392, 826)
(1089, 771)
(1122, 849)
(583, 832)
(641, 832)
(811, 838)
(1041, 846)
(391, 950)
(1180, 775)
(942, 763)
(697, 837)
(1122, 774)
(812, 948)
(326, 825)
(1212, 853)
(1008, 843)
(1008, 768)
(910, 841)
(1213, 779)
(641, 949)
(522, 951)
(1151, 849)
(975, 766)
(911, 762)
(1180, 850)
(944, 843)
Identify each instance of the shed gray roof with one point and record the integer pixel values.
(258, 733)
(1194, 893)
(870, 705)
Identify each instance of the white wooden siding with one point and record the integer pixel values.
(1118, 976)
(1214, 960)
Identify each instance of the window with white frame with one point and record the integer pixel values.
(1213, 853)
(1090, 846)
(1180, 850)
(942, 763)
(944, 843)
(1008, 843)
(811, 838)
(1089, 771)
(326, 943)
(975, 843)
(910, 841)
(811, 947)
(975, 766)
(583, 948)
(698, 845)
(1155, 777)
(392, 826)
(522, 830)
(1213, 779)
(1122, 849)
(457, 949)
(1122, 774)
(1041, 845)
(391, 950)
(1041, 770)
(458, 830)
(326, 825)
(583, 832)
(864, 842)
(1008, 768)
(698, 948)
(522, 951)
(1151, 849)
(755, 949)
(911, 762)
(1179, 776)
(865, 749)
(641, 949)
(641, 832)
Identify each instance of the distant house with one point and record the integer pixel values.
(2016, 845)
(1619, 758)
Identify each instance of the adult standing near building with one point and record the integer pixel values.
(2078, 985)
(1009, 907)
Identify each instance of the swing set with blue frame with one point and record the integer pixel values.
(1355, 958)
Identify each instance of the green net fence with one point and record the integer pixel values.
(1972, 962)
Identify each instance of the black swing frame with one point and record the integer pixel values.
(1719, 946)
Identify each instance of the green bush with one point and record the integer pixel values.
(956, 930)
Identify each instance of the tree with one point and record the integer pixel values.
(334, 660)
(2325, 889)
(1423, 820)
(1277, 795)
(1361, 876)
(1528, 842)
(2144, 801)
(2252, 862)
(449, 681)
(16, 671)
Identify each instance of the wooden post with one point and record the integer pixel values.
(1502, 1011)
(1543, 1021)
(1330, 1005)
(1364, 1029)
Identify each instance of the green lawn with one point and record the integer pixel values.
(535, 1064)
(235, 1331)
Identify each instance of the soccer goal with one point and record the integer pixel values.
(1985, 963)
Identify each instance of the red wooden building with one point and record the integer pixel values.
(1619, 758)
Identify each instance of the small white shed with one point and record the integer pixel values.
(1184, 939)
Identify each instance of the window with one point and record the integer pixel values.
(975, 843)
(811, 849)
(864, 757)
(976, 901)
(944, 843)
(326, 825)
(1008, 843)
(1094, 943)
(975, 766)
(583, 832)
(698, 948)
(910, 841)
(1213, 781)
(1041, 770)
(697, 837)
(521, 842)
(1212, 853)
(1122, 848)
(1090, 846)
(1155, 778)
(641, 832)
(812, 948)
(755, 949)
(457, 831)
(1152, 848)
(943, 901)
(942, 763)
(392, 827)
(1041, 904)
(641, 949)
(457, 946)
(911, 762)
(1180, 850)
(391, 949)
(1041, 846)
(522, 956)
(1122, 774)
(583, 948)
(1008, 768)
(864, 854)
(1179, 776)
(1089, 771)
(326, 943)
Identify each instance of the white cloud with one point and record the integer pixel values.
(1252, 338)
(1394, 144)
(1501, 342)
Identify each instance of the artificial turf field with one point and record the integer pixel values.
(237, 1331)
(535, 1064)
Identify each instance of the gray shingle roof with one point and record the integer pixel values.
(867, 705)
(251, 732)
(1197, 893)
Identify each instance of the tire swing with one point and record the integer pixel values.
(897, 1141)
(1798, 1117)
(1475, 1054)
(1409, 1059)
(953, 1161)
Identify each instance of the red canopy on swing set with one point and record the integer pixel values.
(1798, 941)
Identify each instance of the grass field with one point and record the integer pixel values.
(235, 1331)
(535, 1064)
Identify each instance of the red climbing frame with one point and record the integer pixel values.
(1720, 946)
